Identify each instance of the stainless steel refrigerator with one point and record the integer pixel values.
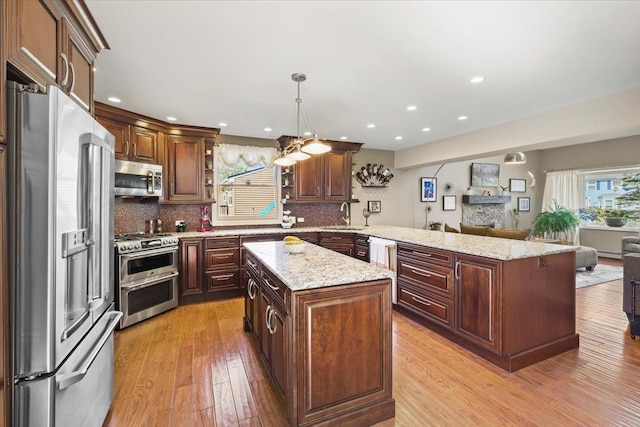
(60, 203)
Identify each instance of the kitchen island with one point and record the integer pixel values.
(510, 301)
(322, 322)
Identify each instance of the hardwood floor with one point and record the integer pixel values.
(195, 366)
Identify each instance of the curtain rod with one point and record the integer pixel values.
(604, 168)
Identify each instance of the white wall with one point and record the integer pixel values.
(401, 203)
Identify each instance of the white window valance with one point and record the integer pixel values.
(230, 154)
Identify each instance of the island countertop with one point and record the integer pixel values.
(314, 268)
(489, 247)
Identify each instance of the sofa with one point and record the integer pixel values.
(586, 257)
(630, 244)
(631, 266)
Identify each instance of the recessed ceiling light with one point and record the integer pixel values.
(371, 125)
(113, 99)
(477, 79)
(426, 129)
(398, 138)
(222, 124)
(307, 133)
(462, 118)
(343, 137)
(411, 108)
(171, 118)
(267, 129)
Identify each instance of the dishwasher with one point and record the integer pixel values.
(382, 252)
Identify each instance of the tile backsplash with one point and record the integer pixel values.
(130, 215)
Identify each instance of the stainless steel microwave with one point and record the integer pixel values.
(137, 179)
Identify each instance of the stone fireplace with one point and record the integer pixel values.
(484, 210)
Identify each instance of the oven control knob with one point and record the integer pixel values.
(130, 246)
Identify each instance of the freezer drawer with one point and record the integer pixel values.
(72, 396)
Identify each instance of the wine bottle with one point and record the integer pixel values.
(359, 178)
(380, 169)
(386, 172)
(364, 172)
(387, 178)
(369, 169)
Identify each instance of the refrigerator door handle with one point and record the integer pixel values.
(76, 376)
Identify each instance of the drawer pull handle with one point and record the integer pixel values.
(361, 253)
(253, 265)
(275, 288)
(421, 253)
(418, 299)
(420, 273)
(418, 270)
(225, 277)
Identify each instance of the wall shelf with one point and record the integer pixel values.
(476, 200)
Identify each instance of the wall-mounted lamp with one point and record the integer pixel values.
(515, 158)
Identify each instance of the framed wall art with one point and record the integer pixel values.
(485, 174)
(448, 203)
(374, 206)
(524, 204)
(428, 189)
(517, 185)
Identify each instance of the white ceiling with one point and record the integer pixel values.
(207, 62)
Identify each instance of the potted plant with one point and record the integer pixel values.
(435, 225)
(616, 217)
(552, 223)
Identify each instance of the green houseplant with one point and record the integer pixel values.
(552, 223)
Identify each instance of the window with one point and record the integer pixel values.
(247, 184)
(603, 189)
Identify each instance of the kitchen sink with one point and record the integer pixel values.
(343, 227)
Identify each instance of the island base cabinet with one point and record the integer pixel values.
(342, 356)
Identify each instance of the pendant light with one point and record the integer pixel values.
(300, 149)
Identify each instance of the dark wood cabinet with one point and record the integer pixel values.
(338, 242)
(54, 42)
(361, 247)
(478, 305)
(137, 138)
(222, 259)
(184, 166)
(307, 340)
(321, 178)
(191, 267)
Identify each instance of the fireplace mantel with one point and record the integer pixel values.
(496, 200)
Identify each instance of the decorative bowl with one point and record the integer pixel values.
(615, 221)
(295, 248)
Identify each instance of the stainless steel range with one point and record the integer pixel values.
(146, 275)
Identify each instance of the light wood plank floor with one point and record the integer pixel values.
(195, 366)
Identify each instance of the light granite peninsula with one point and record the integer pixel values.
(316, 316)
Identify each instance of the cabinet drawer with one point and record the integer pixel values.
(426, 304)
(434, 277)
(362, 240)
(361, 253)
(220, 259)
(275, 288)
(336, 239)
(308, 237)
(221, 242)
(252, 266)
(426, 254)
(222, 280)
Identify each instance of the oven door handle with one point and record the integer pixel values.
(76, 376)
(143, 254)
(148, 282)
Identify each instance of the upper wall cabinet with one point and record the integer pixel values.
(54, 42)
(138, 138)
(325, 177)
(184, 165)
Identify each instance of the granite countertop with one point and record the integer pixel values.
(314, 268)
(489, 247)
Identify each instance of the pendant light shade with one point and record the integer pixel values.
(298, 148)
(315, 147)
(515, 158)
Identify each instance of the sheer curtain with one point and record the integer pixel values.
(565, 187)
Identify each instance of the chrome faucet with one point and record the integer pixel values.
(344, 207)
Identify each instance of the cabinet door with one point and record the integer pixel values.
(477, 299)
(184, 170)
(35, 40)
(308, 179)
(337, 176)
(191, 266)
(80, 82)
(121, 132)
(278, 357)
(144, 145)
